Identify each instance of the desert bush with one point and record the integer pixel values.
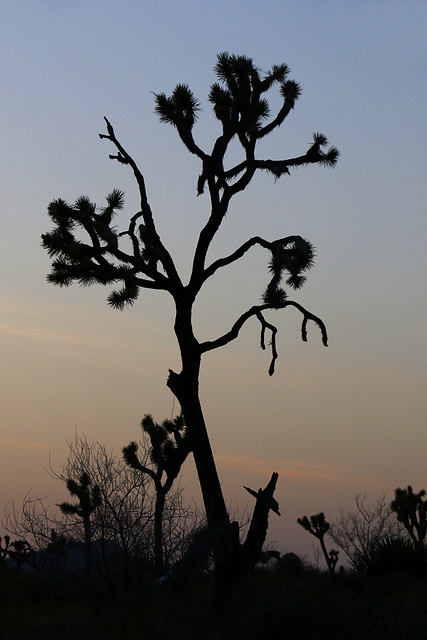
(390, 555)
(356, 530)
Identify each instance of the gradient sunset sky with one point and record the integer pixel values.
(333, 422)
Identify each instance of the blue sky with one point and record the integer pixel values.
(333, 422)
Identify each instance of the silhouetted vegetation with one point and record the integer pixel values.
(383, 595)
(318, 527)
(87, 248)
(150, 568)
(89, 496)
(357, 529)
(277, 603)
(411, 511)
(390, 555)
(170, 445)
(50, 593)
(117, 517)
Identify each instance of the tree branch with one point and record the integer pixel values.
(238, 253)
(279, 167)
(151, 284)
(256, 311)
(287, 107)
(124, 157)
(186, 136)
(162, 282)
(264, 326)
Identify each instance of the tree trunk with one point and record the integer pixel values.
(185, 389)
(158, 526)
(185, 386)
(88, 544)
(231, 560)
(259, 525)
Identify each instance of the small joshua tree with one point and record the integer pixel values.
(58, 550)
(411, 510)
(170, 445)
(89, 499)
(318, 527)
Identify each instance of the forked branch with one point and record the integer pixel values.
(125, 158)
(257, 311)
(239, 253)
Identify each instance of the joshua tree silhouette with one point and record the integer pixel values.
(318, 527)
(89, 499)
(411, 511)
(170, 445)
(239, 104)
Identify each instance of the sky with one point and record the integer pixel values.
(332, 422)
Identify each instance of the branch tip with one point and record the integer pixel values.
(109, 127)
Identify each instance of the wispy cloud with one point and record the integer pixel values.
(70, 324)
(22, 319)
(24, 444)
(302, 471)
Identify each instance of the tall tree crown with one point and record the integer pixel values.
(87, 248)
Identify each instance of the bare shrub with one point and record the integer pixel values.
(356, 530)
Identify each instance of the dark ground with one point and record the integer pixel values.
(304, 605)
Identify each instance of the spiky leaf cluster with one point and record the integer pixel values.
(83, 216)
(180, 109)
(316, 525)
(127, 295)
(317, 152)
(170, 443)
(389, 555)
(130, 455)
(292, 257)
(239, 103)
(89, 262)
(237, 99)
(89, 497)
